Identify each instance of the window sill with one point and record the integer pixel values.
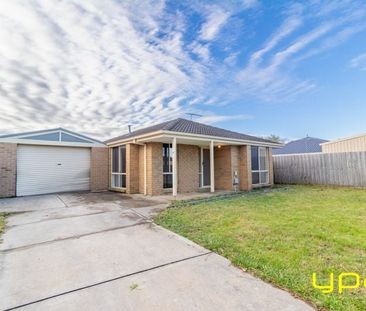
(117, 189)
(260, 185)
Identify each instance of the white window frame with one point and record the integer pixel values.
(170, 165)
(260, 170)
(119, 168)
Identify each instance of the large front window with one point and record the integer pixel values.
(118, 167)
(167, 166)
(259, 165)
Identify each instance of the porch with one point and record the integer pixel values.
(174, 165)
(181, 156)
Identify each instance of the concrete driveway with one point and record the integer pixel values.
(101, 251)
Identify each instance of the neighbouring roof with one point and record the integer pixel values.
(190, 127)
(56, 135)
(304, 145)
(344, 139)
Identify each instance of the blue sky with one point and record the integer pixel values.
(289, 68)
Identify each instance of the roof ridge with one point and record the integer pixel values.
(170, 124)
(308, 137)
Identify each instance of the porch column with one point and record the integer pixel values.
(212, 167)
(175, 179)
(145, 170)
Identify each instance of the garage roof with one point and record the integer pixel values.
(57, 136)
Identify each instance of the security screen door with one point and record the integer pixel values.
(206, 167)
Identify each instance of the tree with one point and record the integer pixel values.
(275, 138)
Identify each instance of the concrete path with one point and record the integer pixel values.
(102, 252)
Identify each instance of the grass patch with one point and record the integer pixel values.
(133, 286)
(285, 235)
(2, 222)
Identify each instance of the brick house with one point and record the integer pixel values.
(172, 157)
(184, 156)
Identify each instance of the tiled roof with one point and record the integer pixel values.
(304, 145)
(190, 127)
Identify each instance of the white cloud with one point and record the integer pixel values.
(270, 81)
(249, 3)
(333, 41)
(288, 27)
(101, 66)
(201, 50)
(300, 43)
(269, 72)
(209, 119)
(231, 59)
(359, 62)
(95, 66)
(215, 20)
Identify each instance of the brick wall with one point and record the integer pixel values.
(223, 170)
(132, 168)
(99, 174)
(8, 166)
(154, 168)
(109, 168)
(188, 168)
(227, 161)
(245, 167)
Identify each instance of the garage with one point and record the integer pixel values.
(51, 161)
(49, 169)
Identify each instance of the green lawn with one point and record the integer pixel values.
(284, 235)
(2, 222)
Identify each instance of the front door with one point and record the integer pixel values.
(206, 178)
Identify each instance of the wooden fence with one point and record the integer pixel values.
(346, 169)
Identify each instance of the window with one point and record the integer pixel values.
(259, 165)
(167, 166)
(119, 167)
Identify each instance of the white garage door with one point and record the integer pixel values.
(46, 169)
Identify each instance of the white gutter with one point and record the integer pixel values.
(132, 139)
(221, 139)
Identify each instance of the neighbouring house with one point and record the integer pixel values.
(303, 145)
(185, 156)
(49, 161)
(349, 144)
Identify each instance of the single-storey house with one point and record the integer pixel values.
(168, 158)
(184, 156)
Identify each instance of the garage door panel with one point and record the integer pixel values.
(46, 169)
